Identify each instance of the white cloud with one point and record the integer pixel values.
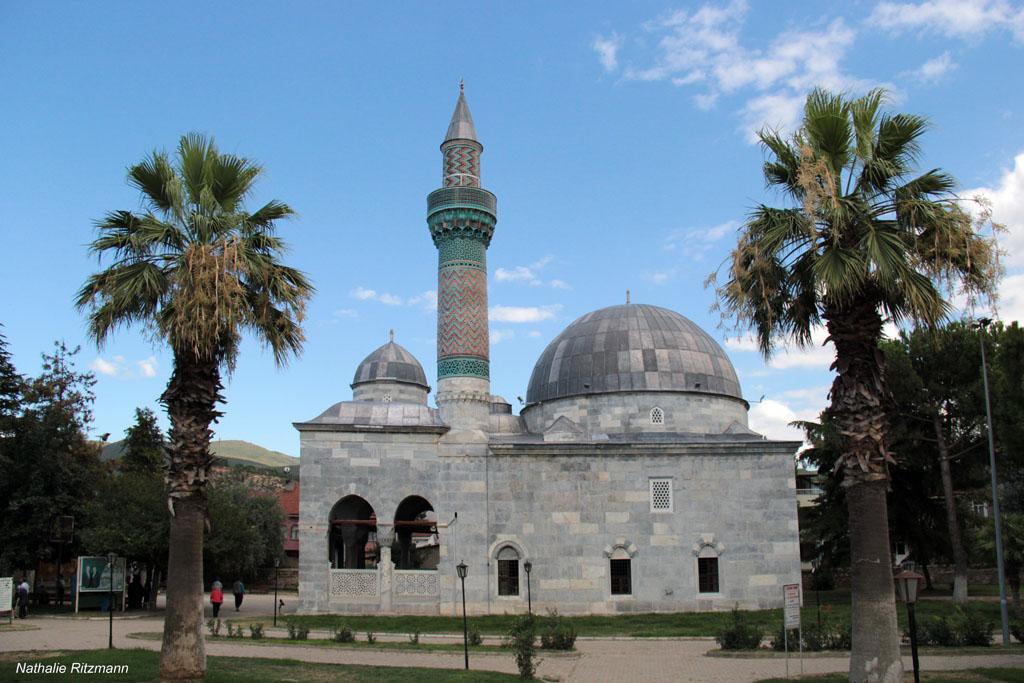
(746, 342)
(952, 18)
(1011, 299)
(934, 69)
(498, 336)
(1007, 200)
(523, 314)
(697, 242)
(607, 50)
(533, 333)
(364, 294)
(148, 366)
(559, 284)
(104, 367)
(517, 274)
(704, 49)
(787, 356)
(427, 300)
(659, 277)
(530, 274)
(772, 418)
(345, 313)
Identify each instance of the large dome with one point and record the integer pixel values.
(391, 363)
(632, 347)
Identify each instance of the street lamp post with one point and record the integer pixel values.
(815, 565)
(277, 569)
(462, 569)
(528, 566)
(907, 582)
(111, 558)
(982, 325)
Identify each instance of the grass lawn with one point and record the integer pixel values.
(967, 676)
(835, 606)
(142, 667)
(358, 644)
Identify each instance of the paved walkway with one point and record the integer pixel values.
(636, 660)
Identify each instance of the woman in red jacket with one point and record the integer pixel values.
(216, 597)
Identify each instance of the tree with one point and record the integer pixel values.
(246, 531)
(863, 239)
(55, 468)
(144, 449)
(12, 389)
(198, 271)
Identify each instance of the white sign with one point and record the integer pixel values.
(791, 592)
(6, 594)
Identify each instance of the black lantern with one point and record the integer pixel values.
(462, 570)
(528, 566)
(907, 583)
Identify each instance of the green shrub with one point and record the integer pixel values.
(973, 629)
(414, 639)
(963, 628)
(779, 641)
(213, 625)
(739, 635)
(817, 638)
(841, 637)
(234, 632)
(521, 639)
(1017, 626)
(343, 635)
(255, 631)
(557, 633)
(370, 638)
(475, 638)
(298, 632)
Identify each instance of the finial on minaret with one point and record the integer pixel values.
(627, 296)
(391, 336)
(462, 86)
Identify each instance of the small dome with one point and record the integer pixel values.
(632, 347)
(391, 363)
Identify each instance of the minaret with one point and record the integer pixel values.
(461, 216)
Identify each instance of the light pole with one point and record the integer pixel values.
(815, 565)
(462, 569)
(907, 582)
(528, 566)
(277, 569)
(981, 325)
(111, 558)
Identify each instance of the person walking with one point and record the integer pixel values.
(23, 591)
(217, 597)
(238, 590)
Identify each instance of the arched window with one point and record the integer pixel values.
(707, 570)
(508, 571)
(352, 539)
(657, 416)
(416, 543)
(621, 572)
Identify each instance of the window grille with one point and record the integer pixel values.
(387, 398)
(621, 580)
(661, 495)
(508, 571)
(707, 574)
(657, 416)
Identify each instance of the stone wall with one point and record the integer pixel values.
(566, 507)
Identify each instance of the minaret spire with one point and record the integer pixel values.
(461, 216)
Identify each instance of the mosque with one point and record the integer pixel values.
(629, 482)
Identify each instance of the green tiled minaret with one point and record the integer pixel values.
(461, 216)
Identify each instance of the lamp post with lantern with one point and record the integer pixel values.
(462, 569)
(111, 559)
(277, 570)
(907, 583)
(528, 566)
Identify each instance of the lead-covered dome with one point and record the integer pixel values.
(391, 363)
(632, 347)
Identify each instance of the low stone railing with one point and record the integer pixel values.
(347, 584)
(420, 583)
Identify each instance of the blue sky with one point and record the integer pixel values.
(618, 139)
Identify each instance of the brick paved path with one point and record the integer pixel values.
(636, 660)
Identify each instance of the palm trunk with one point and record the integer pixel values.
(857, 410)
(956, 541)
(191, 398)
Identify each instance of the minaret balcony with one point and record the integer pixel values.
(461, 197)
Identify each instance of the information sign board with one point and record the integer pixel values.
(6, 593)
(94, 575)
(791, 609)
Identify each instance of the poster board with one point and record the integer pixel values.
(7, 595)
(92, 578)
(791, 606)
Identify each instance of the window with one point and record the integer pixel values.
(661, 495)
(657, 416)
(620, 573)
(508, 571)
(293, 532)
(707, 574)
(387, 398)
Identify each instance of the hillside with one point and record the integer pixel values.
(228, 450)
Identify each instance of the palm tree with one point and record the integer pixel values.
(863, 240)
(197, 271)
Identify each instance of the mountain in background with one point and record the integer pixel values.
(229, 451)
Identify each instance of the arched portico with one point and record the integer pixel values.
(352, 538)
(416, 541)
